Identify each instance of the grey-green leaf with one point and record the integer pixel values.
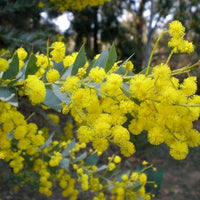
(81, 157)
(101, 61)
(52, 100)
(9, 95)
(91, 160)
(13, 69)
(31, 67)
(112, 58)
(101, 168)
(64, 163)
(80, 61)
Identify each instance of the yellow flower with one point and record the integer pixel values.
(35, 89)
(100, 144)
(69, 60)
(22, 54)
(71, 83)
(179, 150)
(58, 52)
(3, 65)
(117, 159)
(97, 74)
(176, 29)
(55, 159)
(52, 76)
(128, 66)
(42, 61)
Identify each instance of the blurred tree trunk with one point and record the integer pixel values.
(140, 24)
(149, 34)
(95, 32)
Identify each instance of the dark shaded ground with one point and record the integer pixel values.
(181, 180)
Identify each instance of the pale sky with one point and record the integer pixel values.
(61, 21)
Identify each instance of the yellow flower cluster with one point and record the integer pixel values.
(120, 190)
(29, 146)
(103, 118)
(42, 61)
(67, 183)
(165, 107)
(58, 52)
(22, 54)
(41, 167)
(158, 103)
(76, 4)
(35, 89)
(55, 159)
(15, 128)
(69, 59)
(177, 42)
(3, 65)
(97, 74)
(128, 66)
(107, 107)
(52, 76)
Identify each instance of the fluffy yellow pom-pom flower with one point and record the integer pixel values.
(3, 65)
(52, 76)
(35, 89)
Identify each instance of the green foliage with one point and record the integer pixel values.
(52, 100)
(111, 59)
(79, 62)
(13, 68)
(91, 160)
(31, 67)
(100, 101)
(9, 95)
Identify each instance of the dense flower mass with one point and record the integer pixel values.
(108, 104)
(76, 4)
(177, 42)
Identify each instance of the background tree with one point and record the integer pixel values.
(21, 23)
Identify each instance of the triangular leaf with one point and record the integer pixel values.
(112, 58)
(101, 168)
(66, 73)
(31, 67)
(91, 160)
(91, 65)
(101, 61)
(52, 100)
(13, 68)
(81, 157)
(80, 61)
(64, 163)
